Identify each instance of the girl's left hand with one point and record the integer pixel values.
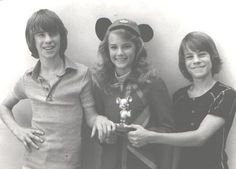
(139, 137)
(103, 126)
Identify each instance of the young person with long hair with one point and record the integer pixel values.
(124, 72)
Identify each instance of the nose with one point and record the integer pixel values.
(119, 51)
(48, 37)
(196, 59)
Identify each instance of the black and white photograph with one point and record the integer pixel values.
(119, 84)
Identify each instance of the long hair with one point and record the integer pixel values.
(104, 69)
(47, 21)
(199, 41)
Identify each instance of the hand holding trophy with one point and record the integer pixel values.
(124, 114)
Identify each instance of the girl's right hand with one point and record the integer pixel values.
(29, 137)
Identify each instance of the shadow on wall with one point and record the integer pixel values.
(13, 150)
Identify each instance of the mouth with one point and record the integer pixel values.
(199, 67)
(48, 47)
(120, 59)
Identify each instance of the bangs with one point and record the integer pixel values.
(197, 44)
(44, 24)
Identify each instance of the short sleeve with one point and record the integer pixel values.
(86, 92)
(224, 104)
(19, 89)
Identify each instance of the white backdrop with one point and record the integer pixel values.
(171, 21)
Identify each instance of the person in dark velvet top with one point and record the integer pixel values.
(204, 110)
(125, 72)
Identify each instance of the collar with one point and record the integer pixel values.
(131, 77)
(69, 65)
(121, 78)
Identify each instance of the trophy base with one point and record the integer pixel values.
(123, 128)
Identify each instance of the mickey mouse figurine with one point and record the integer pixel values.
(124, 114)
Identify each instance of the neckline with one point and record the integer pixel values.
(122, 78)
(207, 91)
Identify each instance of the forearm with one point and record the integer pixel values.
(28, 136)
(183, 139)
(91, 115)
(198, 137)
(8, 118)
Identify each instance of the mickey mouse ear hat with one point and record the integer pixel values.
(104, 24)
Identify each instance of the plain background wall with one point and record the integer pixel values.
(171, 21)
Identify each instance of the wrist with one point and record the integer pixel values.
(101, 116)
(151, 137)
(15, 130)
(95, 118)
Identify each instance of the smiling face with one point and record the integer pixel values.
(41, 21)
(200, 44)
(198, 64)
(47, 44)
(122, 51)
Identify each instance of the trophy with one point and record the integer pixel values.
(125, 113)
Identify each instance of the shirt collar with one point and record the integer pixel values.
(132, 77)
(69, 65)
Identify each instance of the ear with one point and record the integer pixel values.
(101, 27)
(146, 32)
(117, 100)
(130, 99)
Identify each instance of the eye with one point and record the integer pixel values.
(112, 47)
(53, 33)
(188, 56)
(202, 54)
(127, 46)
(40, 34)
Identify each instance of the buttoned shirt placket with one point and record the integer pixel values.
(49, 89)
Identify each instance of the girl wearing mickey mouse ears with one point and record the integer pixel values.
(125, 72)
